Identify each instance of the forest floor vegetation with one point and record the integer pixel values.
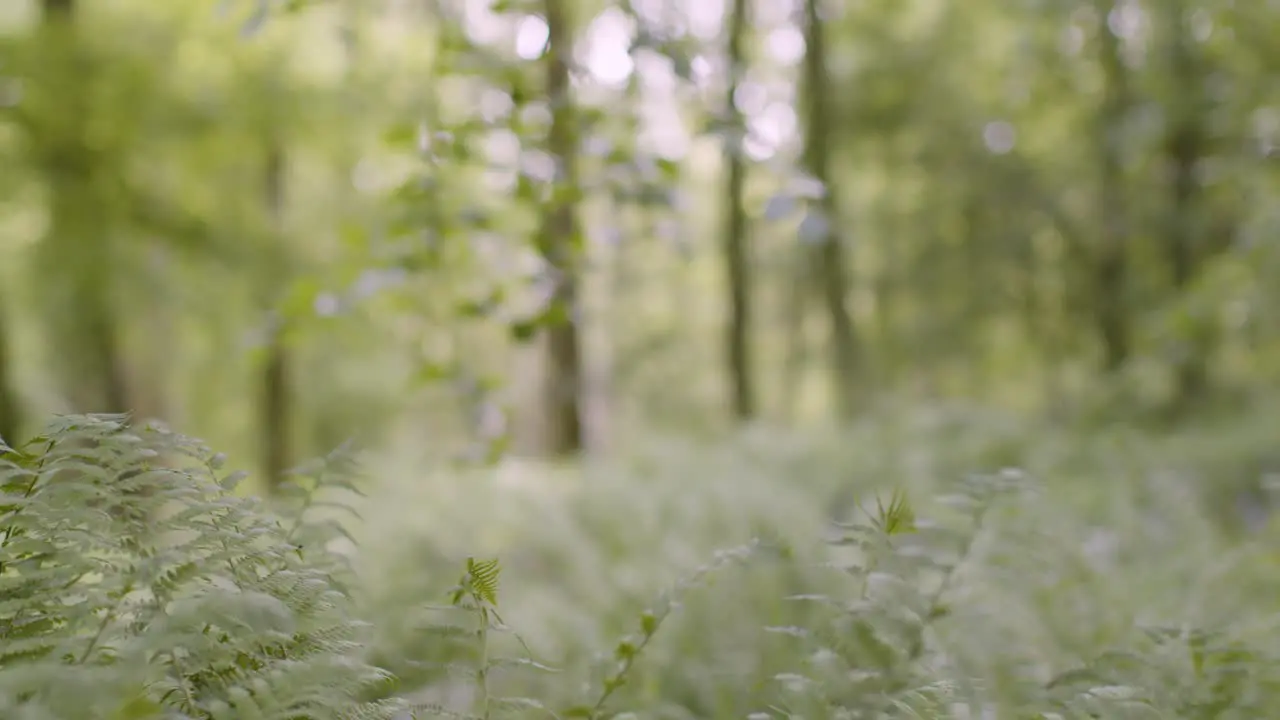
(945, 565)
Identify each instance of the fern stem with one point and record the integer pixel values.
(30, 489)
(617, 680)
(307, 500)
(482, 672)
(102, 626)
(935, 599)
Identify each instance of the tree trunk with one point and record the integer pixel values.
(830, 257)
(77, 247)
(794, 314)
(1184, 150)
(59, 9)
(890, 360)
(276, 417)
(1111, 269)
(10, 407)
(974, 228)
(559, 243)
(736, 250)
(276, 400)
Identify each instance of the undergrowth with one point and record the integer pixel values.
(135, 584)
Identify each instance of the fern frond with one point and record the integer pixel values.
(130, 575)
(482, 579)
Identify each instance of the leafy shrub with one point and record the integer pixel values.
(134, 584)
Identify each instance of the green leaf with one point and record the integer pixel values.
(139, 708)
(625, 650)
(401, 135)
(648, 622)
(430, 372)
(353, 236)
(230, 482)
(524, 330)
(482, 578)
(555, 313)
(496, 448)
(301, 298)
(475, 309)
(670, 169)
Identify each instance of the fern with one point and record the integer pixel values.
(627, 651)
(480, 583)
(870, 657)
(1187, 673)
(134, 585)
(476, 597)
(881, 652)
(313, 508)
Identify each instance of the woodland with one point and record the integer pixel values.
(639, 359)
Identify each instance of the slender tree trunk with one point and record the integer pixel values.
(77, 244)
(794, 314)
(10, 407)
(87, 336)
(622, 279)
(974, 228)
(559, 243)
(277, 391)
(59, 9)
(1111, 269)
(830, 261)
(889, 358)
(275, 411)
(736, 251)
(1185, 147)
(150, 370)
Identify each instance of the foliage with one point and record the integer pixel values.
(476, 596)
(1060, 210)
(134, 586)
(967, 148)
(906, 641)
(1019, 594)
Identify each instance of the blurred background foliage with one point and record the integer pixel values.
(741, 260)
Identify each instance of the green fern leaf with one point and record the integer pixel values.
(482, 578)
